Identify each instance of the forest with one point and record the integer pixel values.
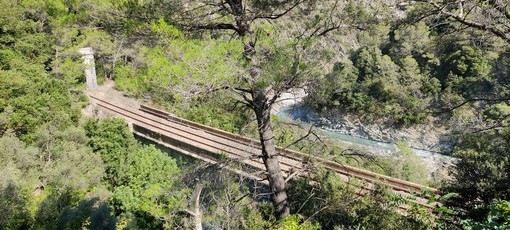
(225, 63)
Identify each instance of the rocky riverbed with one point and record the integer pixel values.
(423, 137)
(427, 141)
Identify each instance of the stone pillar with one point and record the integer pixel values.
(90, 67)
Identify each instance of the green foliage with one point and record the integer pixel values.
(33, 95)
(58, 159)
(481, 173)
(51, 175)
(230, 203)
(13, 205)
(45, 101)
(436, 215)
(342, 80)
(114, 142)
(216, 110)
(147, 182)
(497, 217)
(498, 112)
(166, 31)
(376, 36)
(411, 40)
(143, 180)
(466, 71)
(412, 167)
(182, 75)
(179, 69)
(502, 71)
(332, 203)
(404, 70)
(47, 167)
(21, 35)
(134, 14)
(295, 222)
(374, 83)
(87, 214)
(109, 136)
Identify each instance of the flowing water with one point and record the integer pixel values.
(298, 113)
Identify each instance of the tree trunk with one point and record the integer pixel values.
(194, 210)
(269, 154)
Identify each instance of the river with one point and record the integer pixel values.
(295, 112)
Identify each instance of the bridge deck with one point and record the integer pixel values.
(209, 144)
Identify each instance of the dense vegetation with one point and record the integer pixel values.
(60, 170)
(410, 71)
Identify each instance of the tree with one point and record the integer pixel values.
(261, 103)
(50, 176)
(481, 174)
(498, 217)
(274, 59)
(475, 63)
(466, 71)
(226, 200)
(271, 69)
(149, 189)
(491, 16)
(13, 205)
(143, 179)
(323, 198)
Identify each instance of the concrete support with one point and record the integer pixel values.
(90, 67)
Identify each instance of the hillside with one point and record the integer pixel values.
(411, 73)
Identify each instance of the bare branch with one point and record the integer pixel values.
(310, 132)
(213, 26)
(294, 174)
(317, 212)
(471, 100)
(241, 198)
(279, 15)
(463, 20)
(499, 125)
(312, 193)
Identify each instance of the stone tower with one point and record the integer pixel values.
(90, 67)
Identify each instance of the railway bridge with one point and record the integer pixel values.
(212, 145)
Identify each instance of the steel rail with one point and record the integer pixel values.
(394, 183)
(399, 186)
(290, 160)
(210, 144)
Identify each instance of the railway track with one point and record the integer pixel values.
(214, 141)
(211, 144)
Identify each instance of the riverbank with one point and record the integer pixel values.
(426, 142)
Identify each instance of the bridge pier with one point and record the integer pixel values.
(90, 67)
